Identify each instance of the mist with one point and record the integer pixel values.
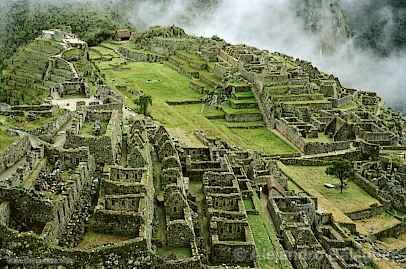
(274, 25)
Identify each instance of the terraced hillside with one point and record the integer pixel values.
(25, 76)
(177, 104)
(174, 151)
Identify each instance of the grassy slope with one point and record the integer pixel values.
(92, 239)
(314, 178)
(270, 253)
(376, 224)
(5, 139)
(164, 84)
(20, 122)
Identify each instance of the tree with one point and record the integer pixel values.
(143, 103)
(343, 170)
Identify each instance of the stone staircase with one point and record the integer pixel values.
(242, 112)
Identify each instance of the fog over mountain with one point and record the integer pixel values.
(364, 52)
(360, 41)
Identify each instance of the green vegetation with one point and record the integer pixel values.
(87, 129)
(22, 122)
(144, 102)
(164, 84)
(313, 178)
(343, 170)
(5, 139)
(376, 224)
(248, 204)
(24, 20)
(23, 82)
(175, 252)
(270, 253)
(322, 138)
(395, 243)
(92, 240)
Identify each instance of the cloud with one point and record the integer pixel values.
(274, 25)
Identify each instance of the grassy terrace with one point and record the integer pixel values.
(23, 123)
(312, 180)
(230, 110)
(88, 128)
(92, 240)
(5, 139)
(394, 244)
(270, 253)
(244, 95)
(376, 224)
(164, 84)
(177, 252)
(323, 138)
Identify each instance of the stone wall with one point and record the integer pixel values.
(370, 188)
(31, 108)
(291, 134)
(68, 204)
(244, 117)
(141, 56)
(49, 130)
(186, 263)
(4, 213)
(305, 162)
(233, 253)
(33, 246)
(114, 131)
(103, 107)
(27, 207)
(111, 187)
(372, 211)
(100, 147)
(319, 148)
(127, 174)
(179, 233)
(70, 157)
(117, 222)
(279, 174)
(343, 101)
(93, 115)
(394, 231)
(14, 153)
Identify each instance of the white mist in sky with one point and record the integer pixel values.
(274, 25)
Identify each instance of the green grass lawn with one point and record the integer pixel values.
(163, 84)
(270, 253)
(229, 110)
(244, 95)
(314, 177)
(92, 240)
(87, 128)
(248, 204)
(323, 138)
(23, 123)
(5, 139)
(177, 252)
(376, 223)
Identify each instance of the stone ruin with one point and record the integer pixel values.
(315, 240)
(385, 181)
(173, 206)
